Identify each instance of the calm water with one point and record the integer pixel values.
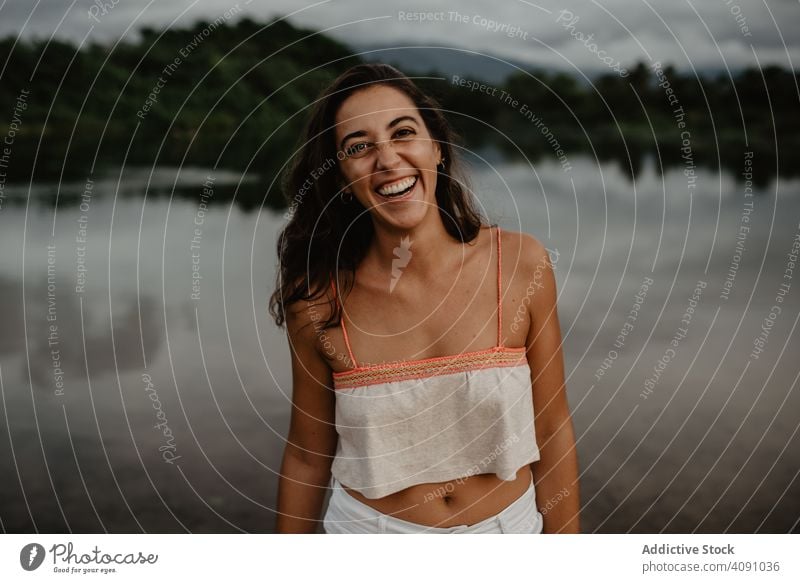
(138, 396)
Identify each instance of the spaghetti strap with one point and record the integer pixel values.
(344, 329)
(499, 295)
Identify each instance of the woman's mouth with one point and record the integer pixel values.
(399, 190)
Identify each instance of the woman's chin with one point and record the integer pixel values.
(408, 217)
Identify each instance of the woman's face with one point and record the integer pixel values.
(391, 163)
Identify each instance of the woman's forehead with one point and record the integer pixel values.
(373, 108)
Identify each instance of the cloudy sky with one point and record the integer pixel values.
(704, 34)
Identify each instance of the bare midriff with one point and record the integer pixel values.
(455, 502)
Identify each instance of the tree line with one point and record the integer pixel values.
(234, 96)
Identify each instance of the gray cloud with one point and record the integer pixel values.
(687, 33)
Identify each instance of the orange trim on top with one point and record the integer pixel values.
(495, 357)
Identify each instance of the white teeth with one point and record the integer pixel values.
(398, 186)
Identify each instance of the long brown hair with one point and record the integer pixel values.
(312, 247)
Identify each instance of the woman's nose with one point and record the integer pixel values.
(386, 155)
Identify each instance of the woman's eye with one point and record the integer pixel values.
(356, 148)
(404, 133)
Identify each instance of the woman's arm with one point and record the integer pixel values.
(311, 445)
(556, 473)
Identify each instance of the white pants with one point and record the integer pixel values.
(347, 515)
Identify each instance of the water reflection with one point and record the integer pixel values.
(711, 447)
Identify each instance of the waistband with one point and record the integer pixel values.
(347, 514)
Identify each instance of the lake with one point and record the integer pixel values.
(145, 387)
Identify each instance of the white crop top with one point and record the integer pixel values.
(434, 419)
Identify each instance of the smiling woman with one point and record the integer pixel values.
(400, 166)
(440, 425)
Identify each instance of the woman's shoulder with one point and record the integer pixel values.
(523, 249)
(528, 265)
(310, 312)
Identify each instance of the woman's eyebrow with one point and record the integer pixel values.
(392, 123)
(397, 120)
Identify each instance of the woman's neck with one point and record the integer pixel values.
(420, 252)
